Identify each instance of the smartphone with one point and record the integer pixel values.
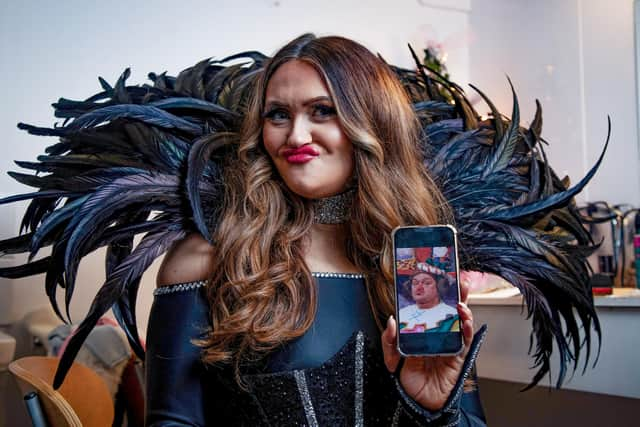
(427, 290)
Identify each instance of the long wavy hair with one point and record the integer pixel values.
(261, 292)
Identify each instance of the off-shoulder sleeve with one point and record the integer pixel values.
(461, 408)
(177, 382)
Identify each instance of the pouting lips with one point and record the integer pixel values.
(300, 155)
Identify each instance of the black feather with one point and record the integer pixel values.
(130, 270)
(148, 160)
(199, 157)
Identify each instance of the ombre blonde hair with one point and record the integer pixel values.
(261, 292)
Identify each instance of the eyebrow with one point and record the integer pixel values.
(277, 103)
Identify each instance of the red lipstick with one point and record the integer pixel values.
(300, 155)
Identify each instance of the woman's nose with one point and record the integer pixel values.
(300, 133)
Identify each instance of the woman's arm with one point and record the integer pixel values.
(180, 390)
(189, 260)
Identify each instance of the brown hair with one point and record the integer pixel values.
(262, 292)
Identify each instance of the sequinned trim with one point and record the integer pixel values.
(182, 287)
(338, 275)
(179, 287)
(310, 413)
(334, 209)
(454, 422)
(396, 415)
(359, 378)
(471, 359)
(409, 401)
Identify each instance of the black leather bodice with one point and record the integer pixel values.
(343, 308)
(332, 375)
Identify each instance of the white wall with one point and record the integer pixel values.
(577, 57)
(54, 49)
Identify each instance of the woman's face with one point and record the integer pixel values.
(302, 133)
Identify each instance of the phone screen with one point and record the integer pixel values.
(427, 291)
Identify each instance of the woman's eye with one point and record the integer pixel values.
(323, 111)
(276, 115)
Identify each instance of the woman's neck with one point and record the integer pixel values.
(326, 250)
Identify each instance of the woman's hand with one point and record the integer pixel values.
(430, 380)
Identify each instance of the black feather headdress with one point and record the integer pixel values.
(146, 160)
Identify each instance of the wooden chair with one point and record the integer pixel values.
(83, 400)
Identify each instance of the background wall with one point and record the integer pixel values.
(576, 56)
(49, 50)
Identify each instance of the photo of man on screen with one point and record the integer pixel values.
(425, 308)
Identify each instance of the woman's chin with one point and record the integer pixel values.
(313, 191)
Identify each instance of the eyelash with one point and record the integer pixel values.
(323, 110)
(319, 111)
(273, 113)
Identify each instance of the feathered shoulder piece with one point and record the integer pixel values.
(146, 160)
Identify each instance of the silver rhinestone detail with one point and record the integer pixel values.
(359, 378)
(338, 275)
(466, 373)
(179, 287)
(454, 422)
(396, 415)
(334, 209)
(409, 401)
(301, 381)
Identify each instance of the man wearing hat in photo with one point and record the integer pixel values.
(429, 313)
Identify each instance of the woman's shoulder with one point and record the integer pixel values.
(188, 260)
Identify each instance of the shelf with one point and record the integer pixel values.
(621, 297)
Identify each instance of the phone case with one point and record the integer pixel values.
(416, 263)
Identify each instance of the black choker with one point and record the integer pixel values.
(333, 209)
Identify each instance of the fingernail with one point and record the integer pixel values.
(463, 305)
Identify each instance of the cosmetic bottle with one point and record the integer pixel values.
(636, 248)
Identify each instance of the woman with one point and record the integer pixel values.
(316, 152)
(298, 285)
